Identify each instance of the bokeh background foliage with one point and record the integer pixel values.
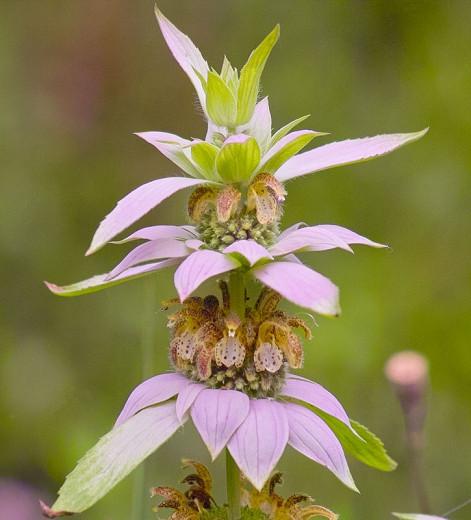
(79, 77)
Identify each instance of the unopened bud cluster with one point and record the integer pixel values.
(224, 215)
(212, 345)
(218, 235)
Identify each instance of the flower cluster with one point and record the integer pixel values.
(197, 503)
(232, 358)
(213, 345)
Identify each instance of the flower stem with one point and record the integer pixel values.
(233, 487)
(237, 298)
(237, 293)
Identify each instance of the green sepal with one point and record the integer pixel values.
(204, 156)
(221, 103)
(250, 76)
(236, 161)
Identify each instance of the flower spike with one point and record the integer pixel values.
(231, 354)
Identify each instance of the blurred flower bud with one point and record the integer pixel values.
(408, 373)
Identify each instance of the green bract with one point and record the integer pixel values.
(358, 441)
(204, 155)
(230, 100)
(238, 158)
(220, 101)
(250, 77)
(288, 149)
(287, 128)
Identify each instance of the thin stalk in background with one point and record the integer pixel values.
(141, 509)
(457, 508)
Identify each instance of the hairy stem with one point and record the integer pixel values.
(233, 487)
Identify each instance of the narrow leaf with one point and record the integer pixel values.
(100, 281)
(290, 145)
(286, 129)
(250, 76)
(220, 101)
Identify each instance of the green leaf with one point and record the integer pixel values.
(286, 148)
(220, 101)
(204, 156)
(410, 516)
(286, 129)
(365, 446)
(368, 449)
(250, 76)
(238, 158)
(115, 456)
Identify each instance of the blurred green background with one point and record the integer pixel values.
(77, 78)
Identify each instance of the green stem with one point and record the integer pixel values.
(233, 486)
(140, 502)
(237, 298)
(237, 293)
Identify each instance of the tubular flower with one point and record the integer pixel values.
(212, 345)
(195, 501)
(237, 172)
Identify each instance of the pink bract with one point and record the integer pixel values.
(256, 431)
